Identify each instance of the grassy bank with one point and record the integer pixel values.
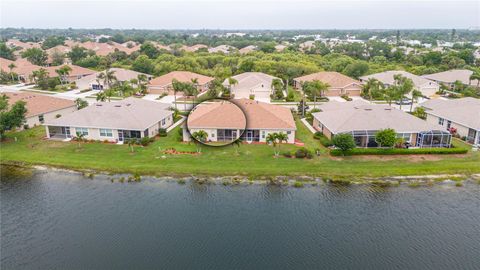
(251, 160)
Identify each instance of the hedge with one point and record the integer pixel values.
(323, 140)
(399, 151)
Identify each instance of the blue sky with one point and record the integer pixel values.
(234, 14)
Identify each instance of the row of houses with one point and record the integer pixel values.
(138, 118)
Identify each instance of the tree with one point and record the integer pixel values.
(475, 76)
(143, 64)
(415, 95)
(57, 57)
(107, 78)
(80, 103)
(11, 118)
(371, 86)
(231, 82)
(281, 137)
(101, 97)
(199, 138)
(403, 86)
(314, 89)
(356, 69)
(149, 50)
(272, 140)
(36, 56)
(386, 137)
(344, 142)
(63, 73)
(40, 77)
(52, 41)
(238, 142)
(11, 66)
(80, 138)
(6, 52)
(390, 93)
(277, 86)
(77, 53)
(131, 143)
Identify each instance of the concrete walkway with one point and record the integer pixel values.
(304, 121)
(179, 122)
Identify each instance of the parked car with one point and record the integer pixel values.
(404, 101)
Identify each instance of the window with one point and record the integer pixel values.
(106, 132)
(163, 122)
(213, 135)
(83, 131)
(263, 134)
(440, 121)
(449, 124)
(289, 132)
(41, 118)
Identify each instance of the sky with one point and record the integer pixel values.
(235, 14)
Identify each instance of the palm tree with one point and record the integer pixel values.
(177, 86)
(475, 76)
(403, 87)
(272, 139)
(101, 97)
(63, 73)
(11, 67)
(231, 82)
(110, 77)
(371, 84)
(281, 137)
(142, 83)
(315, 88)
(199, 137)
(390, 94)
(131, 143)
(80, 138)
(415, 95)
(238, 142)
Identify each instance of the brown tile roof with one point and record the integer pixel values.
(39, 104)
(182, 76)
(334, 79)
(221, 114)
(259, 115)
(22, 67)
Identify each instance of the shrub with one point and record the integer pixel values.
(144, 141)
(162, 132)
(303, 153)
(344, 142)
(346, 97)
(399, 151)
(298, 184)
(323, 140)
(287, 154)
(459, 184)
(386, 137)
(58, 116)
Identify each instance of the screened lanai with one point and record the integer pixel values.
(434, 138)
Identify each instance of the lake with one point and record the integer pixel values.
(59, 220)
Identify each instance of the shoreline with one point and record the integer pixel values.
(280, 180)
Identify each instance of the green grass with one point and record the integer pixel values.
(252, 160)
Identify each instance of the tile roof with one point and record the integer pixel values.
(130, 114)
(341, 117)
(39, 104)
(221, 114)
(387, 77)
(259, 115)
(450, 76)
(250, 80)
(119, 73)
(76, 70)
(464, 111)
(181, 76)
(334, 79)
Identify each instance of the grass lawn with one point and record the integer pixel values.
(252, 160)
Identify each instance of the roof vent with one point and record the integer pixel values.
(98, 105)
(388, 109)
(368, 109)
(118, 106)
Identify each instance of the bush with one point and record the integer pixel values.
(303, 153)
(344, 142)
(145, 141)
(298, 184)
(399, 151)
(346, 97)
(386, 137)
(287, 154)
(162, 132)
(323, 140)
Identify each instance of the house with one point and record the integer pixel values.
(363, 120)
(339, 83)
(194, 48)
(113, 121)
(461, 116)
(248, 49)
(449, 78)
(256, 84)
(23, 69)
(163, 84)
(59, 49)
(41, 108)
(223, 121)
(226, 49)
(76, 72)
(280, 47)
(427, 87)
(122, 75)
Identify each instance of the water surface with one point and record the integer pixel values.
(57, 220)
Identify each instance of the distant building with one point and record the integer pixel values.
(122, 75)
(427, 87)
(163, 84)
(226, 49)
(339, 83)
(256, 84)
(41, 108)
(131, 118)
(449, 77)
